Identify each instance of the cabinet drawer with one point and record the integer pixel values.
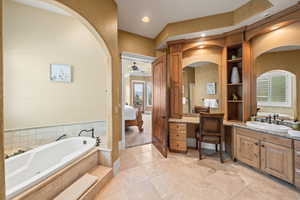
(297, 159)
(178, 135)
(266, 137)
(178, 145)
(277, 140)
(297, 145)
(248, 133)
(177, 126)
(297, 178)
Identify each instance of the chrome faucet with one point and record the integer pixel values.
(61, 137)
(98, 141)
(86, 131)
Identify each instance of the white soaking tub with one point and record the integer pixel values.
(28, 169)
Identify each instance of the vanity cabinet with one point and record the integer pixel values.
(277, 160)
(269, 153)
(248, 150)
(178, 137)
(297, 163)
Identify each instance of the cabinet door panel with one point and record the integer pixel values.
(277, 161)
(248, 150)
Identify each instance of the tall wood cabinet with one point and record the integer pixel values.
(271, 154)
(175, 77)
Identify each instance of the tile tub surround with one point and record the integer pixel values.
(244, 126)
(56, 183)
(146, 175)
(27, 139)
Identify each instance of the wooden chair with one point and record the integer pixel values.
(211, 130)
(200, 109)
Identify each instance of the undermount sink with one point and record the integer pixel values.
(269, 127)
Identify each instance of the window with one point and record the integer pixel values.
(149, 94)
(274, 88)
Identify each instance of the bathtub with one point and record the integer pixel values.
(28, 169)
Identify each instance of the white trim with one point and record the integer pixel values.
(116, 166)
(50, 126)
(137, 57)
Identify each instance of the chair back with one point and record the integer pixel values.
(201, 109)
(211, 124)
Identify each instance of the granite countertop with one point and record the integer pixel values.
(243, 125)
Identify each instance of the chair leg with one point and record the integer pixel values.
(196, 142)
(221, 152)
(216, 147)
(200, 152)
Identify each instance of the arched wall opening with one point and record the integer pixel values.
(284, 59)
(70, 40)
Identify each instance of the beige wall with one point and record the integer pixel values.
(34, 39)
(285, 36)
(204, 74)
(285, 60)
(132, 43)
(213, 55)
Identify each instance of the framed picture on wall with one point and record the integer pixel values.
(61, 73)
(211, 88)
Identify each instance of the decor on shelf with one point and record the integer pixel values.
(61, 73)
(211, 88)
(233, 57)
(235, 97)
(235, 76)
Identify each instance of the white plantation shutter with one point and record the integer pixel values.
(274, 88)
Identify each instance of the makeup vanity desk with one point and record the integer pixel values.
(182, 133)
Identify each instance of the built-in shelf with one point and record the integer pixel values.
(234, 108)
(235, 84)
(235, 101)
(236, 60)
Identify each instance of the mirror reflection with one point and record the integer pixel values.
(201, 88)
(276, 93)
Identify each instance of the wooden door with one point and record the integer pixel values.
(277, 161)
(159, 109)
(248, 150)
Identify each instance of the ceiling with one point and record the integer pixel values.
(163, 12)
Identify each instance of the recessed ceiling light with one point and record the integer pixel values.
(146, 19)
(273, 28)
(201, 47)
(203, 35)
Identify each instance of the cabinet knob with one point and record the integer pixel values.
(256, 143)
(263, 146)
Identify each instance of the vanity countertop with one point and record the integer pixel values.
(195, 120)
(243, 125)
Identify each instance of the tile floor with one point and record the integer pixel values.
(134, 138)
(146, 175)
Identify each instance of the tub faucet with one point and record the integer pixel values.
(86, 131)
(61, 137)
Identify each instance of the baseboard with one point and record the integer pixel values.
(116, 166)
